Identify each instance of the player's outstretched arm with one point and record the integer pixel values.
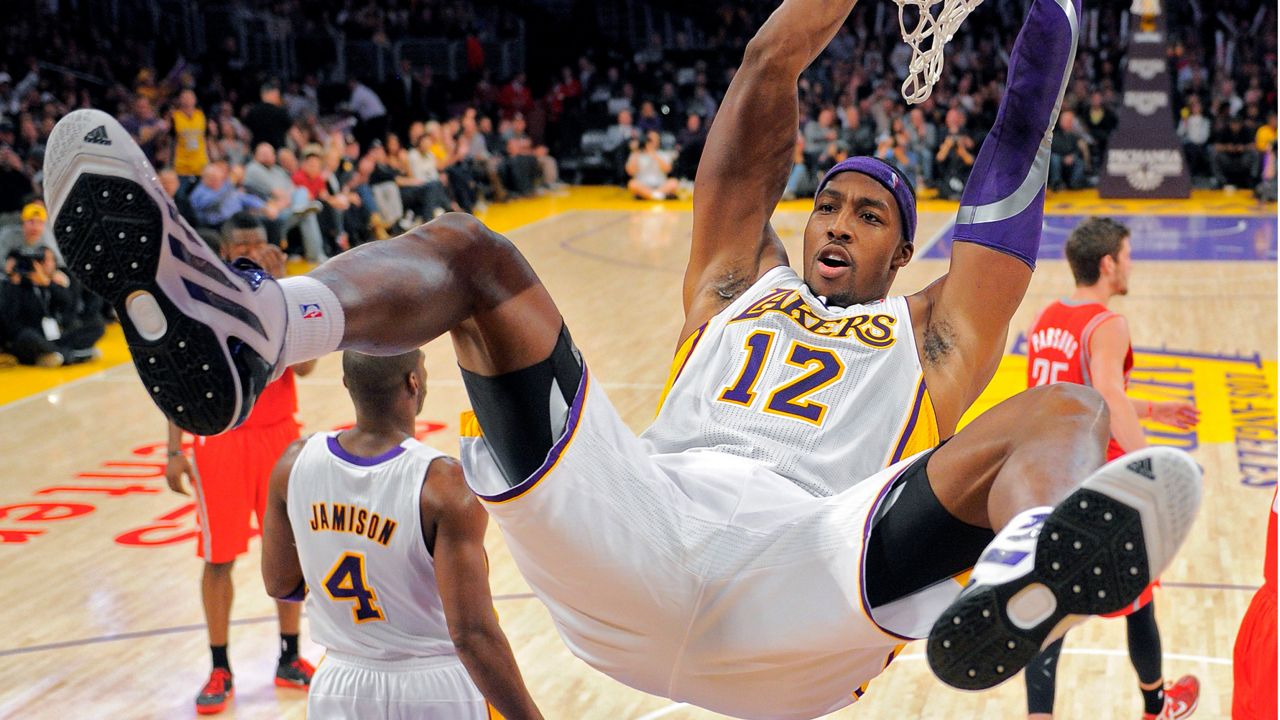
(1107, 347)
(462, 573)
(962, 320)
(281, 569)
(748, 156)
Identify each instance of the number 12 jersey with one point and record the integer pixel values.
(822, 396)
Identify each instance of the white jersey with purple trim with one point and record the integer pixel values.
(824, 397)
(358, 527)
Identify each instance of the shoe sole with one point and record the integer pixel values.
(1096, 552)
(291, 685)
(111, 233)
(123, 239)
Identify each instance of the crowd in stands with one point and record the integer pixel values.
(329, 163)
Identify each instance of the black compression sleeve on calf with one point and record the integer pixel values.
(1042, 675)
(523, 413)
(1145, 652)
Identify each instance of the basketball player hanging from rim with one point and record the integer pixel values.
(789, 520)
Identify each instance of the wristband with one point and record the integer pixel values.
(174, 453)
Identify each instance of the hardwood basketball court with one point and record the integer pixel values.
(100, 606)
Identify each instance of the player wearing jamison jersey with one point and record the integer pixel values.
(1080, 340)
(386, 535)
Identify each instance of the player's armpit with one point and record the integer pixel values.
(721, 284)
(281, 569)
(462, 574)
(751, 145)
(962, 323)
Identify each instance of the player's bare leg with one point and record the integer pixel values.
(292, 670)
(217, 592)
(1031, 450)
(207, 338)
(290, 615)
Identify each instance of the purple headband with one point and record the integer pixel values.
(885, 174)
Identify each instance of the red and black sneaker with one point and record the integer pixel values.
(213, 698)
(1181, 699)
(295, 673)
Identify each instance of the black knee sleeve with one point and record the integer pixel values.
(522, 413)
(1042, 675)
(915, 542)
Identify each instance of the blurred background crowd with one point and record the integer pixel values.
(339, 122)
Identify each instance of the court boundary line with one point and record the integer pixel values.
(173, 630)
(59, 388)
(178, 629)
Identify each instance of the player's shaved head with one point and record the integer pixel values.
(377, 382)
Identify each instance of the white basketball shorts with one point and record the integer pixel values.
(346, 686)
(698, 576)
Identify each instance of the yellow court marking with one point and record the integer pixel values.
(17, 383)
(1236, 397)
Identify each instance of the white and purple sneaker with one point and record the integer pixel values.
(1092, 554)
(205, 336)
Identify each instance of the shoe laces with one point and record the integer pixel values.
(217, 682)
(302, 665)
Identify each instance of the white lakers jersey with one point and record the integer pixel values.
(824, 397)
(358, 528)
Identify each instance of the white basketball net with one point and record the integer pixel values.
(927, 39)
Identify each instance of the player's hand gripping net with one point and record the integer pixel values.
(928, 36)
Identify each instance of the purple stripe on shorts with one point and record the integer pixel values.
(862, 563)
(337, 449)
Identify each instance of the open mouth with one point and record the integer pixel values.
(833, 261)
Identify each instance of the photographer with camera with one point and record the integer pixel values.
(31, 234)
(45, 318)
(895, 149)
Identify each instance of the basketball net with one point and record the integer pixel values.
(927, 40)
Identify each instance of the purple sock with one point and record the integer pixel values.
(1003, 203)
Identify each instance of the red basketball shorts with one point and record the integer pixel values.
(1254, 697)
(231, 474)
